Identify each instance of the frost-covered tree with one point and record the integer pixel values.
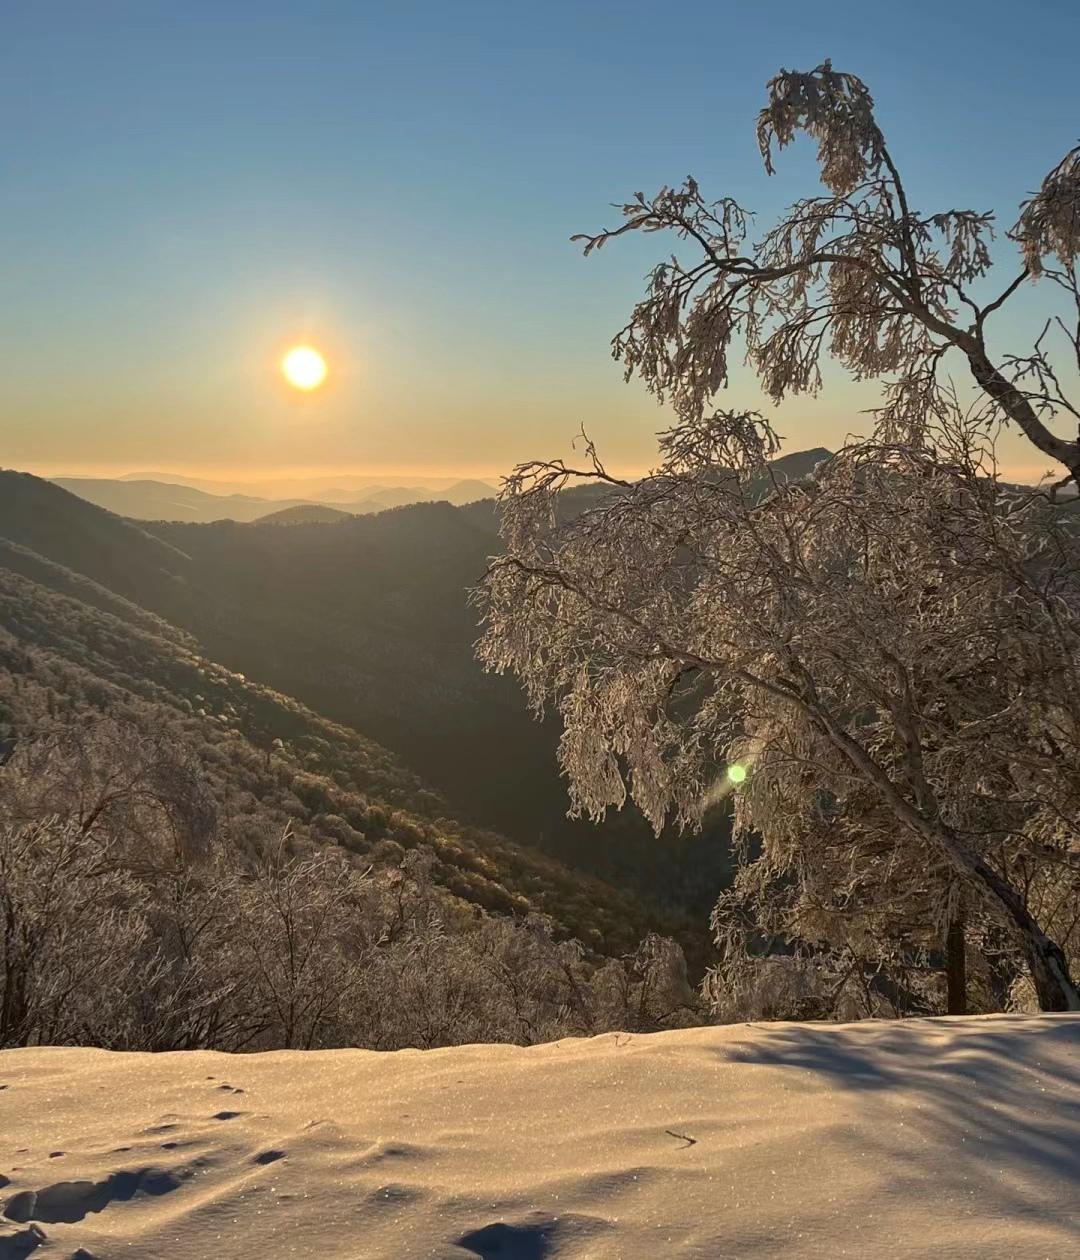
(72, 934)
(114, 934)
(860, 274)
(888, 653)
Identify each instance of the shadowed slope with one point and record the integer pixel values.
(269, 761)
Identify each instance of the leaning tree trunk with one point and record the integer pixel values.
(1054, 986)
(1050, 972)
(1019, 410)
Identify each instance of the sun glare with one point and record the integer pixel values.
(304, 368)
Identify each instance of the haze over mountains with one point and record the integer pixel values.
(330, 487)
(172, 497)
(162, 499)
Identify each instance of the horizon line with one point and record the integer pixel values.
(1027, 474)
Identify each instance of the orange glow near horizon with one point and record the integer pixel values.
(254, 473)
(304, 368)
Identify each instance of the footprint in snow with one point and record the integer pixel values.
(66, 1202)
(17, 1246)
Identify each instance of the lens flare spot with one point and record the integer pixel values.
(736, 773)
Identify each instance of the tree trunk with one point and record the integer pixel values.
(1050, 973)
(1049, 968)
(956, 966)
(1020, 411)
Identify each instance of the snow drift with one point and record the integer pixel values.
(944, 1137)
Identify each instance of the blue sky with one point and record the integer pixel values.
(188, 187)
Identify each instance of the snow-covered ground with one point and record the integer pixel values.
(930, 1138)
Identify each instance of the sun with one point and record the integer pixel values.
(304, 368)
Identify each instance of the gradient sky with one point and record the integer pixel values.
(188, 187)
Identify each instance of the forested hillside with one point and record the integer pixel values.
(366, 621)
(117, 553)
(73, 654)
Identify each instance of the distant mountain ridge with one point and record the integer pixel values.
(304, 514)
(330, 487)
(152, 500)
(798, 463)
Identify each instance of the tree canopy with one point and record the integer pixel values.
(859, 273)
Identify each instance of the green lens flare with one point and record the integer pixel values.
(736, 773)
